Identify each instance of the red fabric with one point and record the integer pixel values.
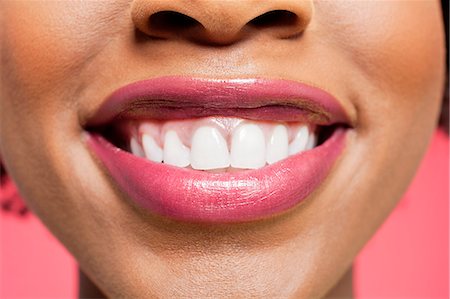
(407, 258)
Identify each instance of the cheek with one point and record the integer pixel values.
(398, 45)
(405, 47)
(397, 50)
(48, 42)
(45, 47)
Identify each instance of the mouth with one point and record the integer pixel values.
(218, 151)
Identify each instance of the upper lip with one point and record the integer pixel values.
(186, 97)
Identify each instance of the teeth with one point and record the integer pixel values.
(300, 141)
(175, 152)
(277, 147)
(209, 149)
(136, 148)
(312, 141)
(248, 148)
(152, 151)
(252, 145)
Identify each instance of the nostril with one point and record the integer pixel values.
(220, 22)
(171, 21)
(275, 18)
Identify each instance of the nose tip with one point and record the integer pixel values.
(220, 22)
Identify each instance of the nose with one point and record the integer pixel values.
(221, 22)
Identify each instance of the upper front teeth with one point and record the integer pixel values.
(278, 145)
(248, 147)
(209, 149)
(252, 146)
(175, 152)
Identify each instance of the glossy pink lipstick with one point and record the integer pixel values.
(196, 196)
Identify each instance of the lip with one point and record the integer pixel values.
(270, 99)
(195, 196)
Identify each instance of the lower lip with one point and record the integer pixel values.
(195, 196)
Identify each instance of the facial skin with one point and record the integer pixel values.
(383, 60)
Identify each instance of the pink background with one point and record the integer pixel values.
(407, 258)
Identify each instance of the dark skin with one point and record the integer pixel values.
(383, 60)
(343, 289)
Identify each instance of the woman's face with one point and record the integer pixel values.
(383, 62)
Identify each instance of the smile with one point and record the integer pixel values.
(216, 150)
